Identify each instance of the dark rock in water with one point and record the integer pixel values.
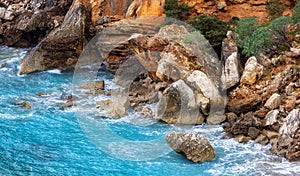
(41, 93)
(67, 105)
(24, 103)
(194, 146)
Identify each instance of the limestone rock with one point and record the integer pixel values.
(290, 103)
(231, 117)
(94, 88)
(6, 14)
(253, 71)
(270, 134)
(273, 102)
(177, 105)
(230, 73)
(271, 117)
(201, 82)
(144, 111)
(290, 124)
(194, 146)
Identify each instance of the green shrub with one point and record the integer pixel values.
(213, 29)
(260, 41)
(296, 13)
(175, 10)
(278, 28)
(245, 28)
(275, 8)
(252, 38)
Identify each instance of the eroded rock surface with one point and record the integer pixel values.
(194, 146)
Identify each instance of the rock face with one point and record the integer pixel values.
(267, 109)
(194, 146)
(61, 48)
(25, 23)
(226, 9)
(115, 107)
(288, 142)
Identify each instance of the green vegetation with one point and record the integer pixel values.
(296, 13)
(245, 28)
(213, 29)
(251, 37)
(260, 41)
(175, 10)
(278, 28)
(274, 8)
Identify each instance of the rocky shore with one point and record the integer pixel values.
(256, 100)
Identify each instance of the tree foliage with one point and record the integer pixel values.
(245, 28)
(260, 41)
(211, 27)
(278, 28)
(251, 37)
(296, 13)
(175, 10)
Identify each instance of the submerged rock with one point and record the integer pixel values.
(24, 103)
(94, 88)
(67, 105)
(194, 146)
(115, 107)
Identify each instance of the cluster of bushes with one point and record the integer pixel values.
(251, 36)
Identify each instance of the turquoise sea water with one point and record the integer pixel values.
(48, 140)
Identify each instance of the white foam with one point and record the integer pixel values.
(55, 71)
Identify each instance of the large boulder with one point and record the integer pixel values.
(253, 71)
(194, 146)
(61, 48)
(202, 83)
(177, 105)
